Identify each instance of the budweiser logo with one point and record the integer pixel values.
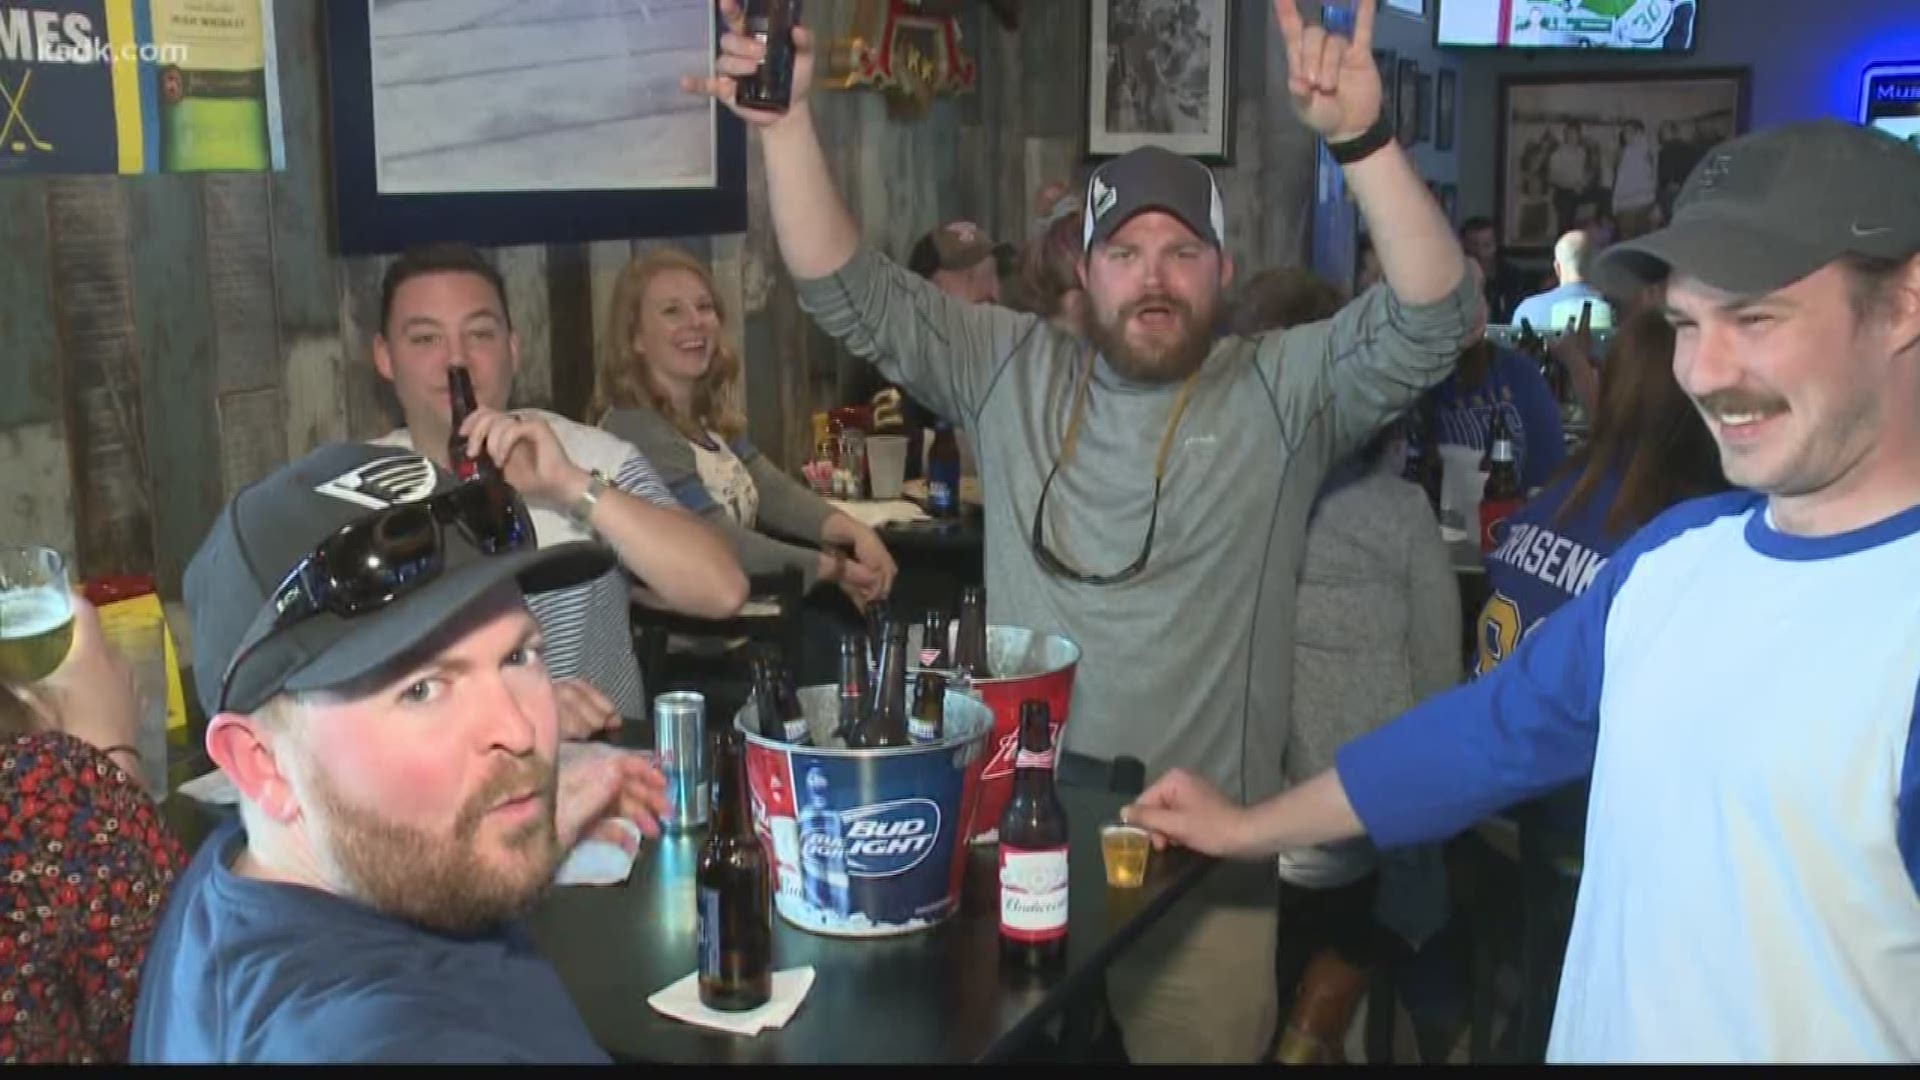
(1006, 754)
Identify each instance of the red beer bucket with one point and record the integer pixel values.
(1028, 665)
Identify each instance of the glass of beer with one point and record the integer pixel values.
(36, 613)
(1124, 848)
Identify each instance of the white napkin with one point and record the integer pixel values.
(603, 857)
(214, 788)
(682, 1002)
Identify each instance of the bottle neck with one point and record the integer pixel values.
(730, 817)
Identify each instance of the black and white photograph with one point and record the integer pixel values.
(1160, 72)
(1606, 152)
(1446, 104)
(523, 121)
(517, 95)
(1406, 103)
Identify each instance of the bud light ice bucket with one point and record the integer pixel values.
(866, 843)
(1027, 665)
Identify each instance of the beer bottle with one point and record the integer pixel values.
(933, 639)
(943, 473)
(970, 650)
(463, 465)
(886, 722)
(853, 685)
(929, 723)
(1423, 465)
(1503, 494)
(779, 717)
(1033, 851)
(770, 22)
(735, 894)
(878, 617)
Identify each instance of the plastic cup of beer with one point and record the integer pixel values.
(36, 613)
(1124, 848)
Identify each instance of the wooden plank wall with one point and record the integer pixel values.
(167, 340)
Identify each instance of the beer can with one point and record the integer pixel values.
(679, 740)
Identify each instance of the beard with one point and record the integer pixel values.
(1162, 363)
(445, 884)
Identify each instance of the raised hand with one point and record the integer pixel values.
(740, 56)
(1334, 83)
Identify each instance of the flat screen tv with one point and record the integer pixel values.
(1657, 26)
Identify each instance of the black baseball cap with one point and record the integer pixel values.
(1153, 178)
(270, 526)
(1764, 210)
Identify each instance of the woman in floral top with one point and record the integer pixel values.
(87, 861)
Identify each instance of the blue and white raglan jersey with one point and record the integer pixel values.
(1745, 701)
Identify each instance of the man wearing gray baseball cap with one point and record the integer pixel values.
(376, 692)
(1146, 488)
(1741, 680)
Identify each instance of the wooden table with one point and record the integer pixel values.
(931, 997)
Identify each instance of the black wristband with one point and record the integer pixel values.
(1364, 144)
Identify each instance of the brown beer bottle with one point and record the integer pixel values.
(735, 895)
(853, 686)
(886, 722)
(463, 465)
(1503, 494)
(933, 639)
(779, 718)
(1033, 851)
(770, 88)
(970, 648)
(929, 723)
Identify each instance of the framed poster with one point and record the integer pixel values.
(1406, 102)
(1607, 151)
(451, 122)
(1161, 72)
(1446, 103)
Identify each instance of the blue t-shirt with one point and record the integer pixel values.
(1513, 385)
(1744, 701)
(1542, 563)
(243, 970)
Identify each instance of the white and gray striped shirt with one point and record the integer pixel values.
(588, 627)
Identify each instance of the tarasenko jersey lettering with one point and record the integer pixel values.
(1540, 564)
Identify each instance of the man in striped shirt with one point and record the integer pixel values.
(444, 306)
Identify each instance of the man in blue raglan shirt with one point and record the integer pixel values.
(1741, 679)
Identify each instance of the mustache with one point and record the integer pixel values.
(1741, 401)
(1178, 306)
(515, 778)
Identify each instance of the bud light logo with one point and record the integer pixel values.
(890, 838)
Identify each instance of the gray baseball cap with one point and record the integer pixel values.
(270, 526)
(1764, 210)
(1153, 178)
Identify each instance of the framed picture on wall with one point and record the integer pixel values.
(1406, 103)
(1606, 151)
(1446, 103)
(1424, 103)
(1389, 64)
(455, 124)
(1161, 72)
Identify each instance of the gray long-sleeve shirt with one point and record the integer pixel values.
(1189, 663)
(785, 504)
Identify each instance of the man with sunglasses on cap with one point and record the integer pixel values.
(377, 692)
(1742, 679)
(1147, 496)
(444, 306)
